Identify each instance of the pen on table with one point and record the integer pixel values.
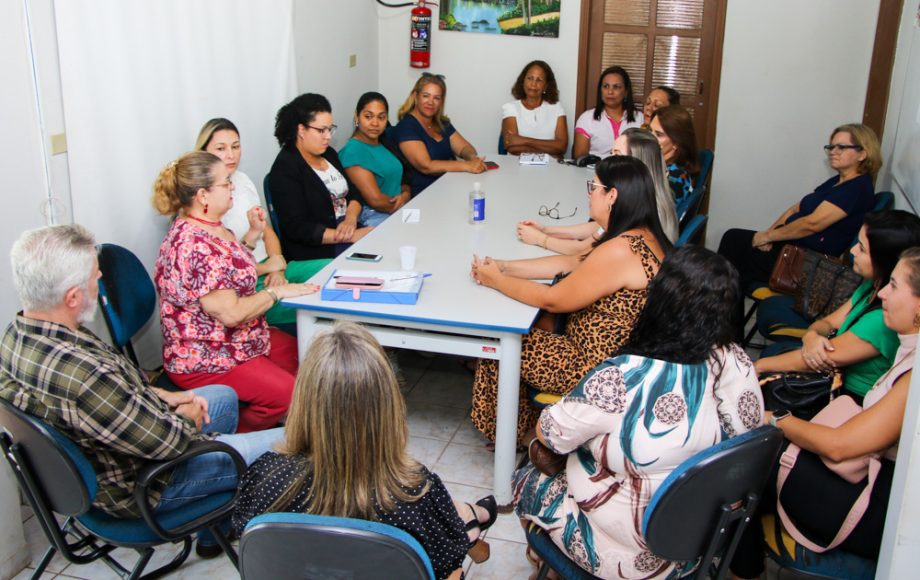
(426, 275)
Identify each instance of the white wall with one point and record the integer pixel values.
(791, 72)
(326, 33)
(480, 69)
(24, 190)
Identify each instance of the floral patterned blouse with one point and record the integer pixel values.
(193, 263)
(625, 427)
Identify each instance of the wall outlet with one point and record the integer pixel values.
(58, 144)
(352, 60)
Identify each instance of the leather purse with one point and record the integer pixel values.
(802, 393)
(787, 270)
(547, 461)
(854, 471)
(824, 285)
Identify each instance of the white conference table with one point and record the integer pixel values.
(454, 315)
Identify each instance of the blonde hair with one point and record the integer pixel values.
(864, 137)
(440, 119)
(348, 421)
(178, 183)
(211, 127)
(644, 146)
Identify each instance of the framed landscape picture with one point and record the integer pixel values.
(515, 17)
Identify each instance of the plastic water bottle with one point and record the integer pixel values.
(477, 204)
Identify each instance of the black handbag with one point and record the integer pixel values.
(802, 393)
(824, 285)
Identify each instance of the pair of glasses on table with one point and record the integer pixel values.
(553, 212)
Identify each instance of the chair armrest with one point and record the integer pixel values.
(149, 474)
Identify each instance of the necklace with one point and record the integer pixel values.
(205, 222)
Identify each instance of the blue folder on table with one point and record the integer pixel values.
(399, 287)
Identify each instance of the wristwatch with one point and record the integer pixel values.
(779, 415)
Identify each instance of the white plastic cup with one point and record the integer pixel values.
(407, 257)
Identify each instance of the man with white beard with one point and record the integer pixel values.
(54, 368)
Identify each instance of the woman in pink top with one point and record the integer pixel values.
(212, 317)
(614, 112)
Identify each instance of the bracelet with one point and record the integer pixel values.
(545, 240)
(251, 247)
(273, 294)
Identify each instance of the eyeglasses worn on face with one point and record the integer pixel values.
(331, 129)
(841, 148)
(592, 185)
(553, 212)
(228, 184)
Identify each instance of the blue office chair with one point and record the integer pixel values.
(797, 561)
(883, 200)
(292, 546)
(700, 511)
(705, 157)
(56, 478)
(552, 557)
(127, 299)
(272, 214)
(692, 231)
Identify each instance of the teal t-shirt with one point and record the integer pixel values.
(378, 160)
(859, 377)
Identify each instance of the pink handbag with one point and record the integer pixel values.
(838, 412)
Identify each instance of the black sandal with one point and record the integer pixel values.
(489, 504)
(479, 550)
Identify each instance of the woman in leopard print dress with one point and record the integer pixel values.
(605, 291)
(676, 388)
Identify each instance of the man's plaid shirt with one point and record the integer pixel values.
(96, 397)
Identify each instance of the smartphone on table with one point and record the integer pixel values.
(362, 257)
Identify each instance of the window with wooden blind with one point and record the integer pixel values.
(659, 42)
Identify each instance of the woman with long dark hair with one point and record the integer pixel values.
(371, 164)
(677, 387)
(614, 112)
(603, 292)
(854, 337)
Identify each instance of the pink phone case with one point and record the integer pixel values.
(359, 282)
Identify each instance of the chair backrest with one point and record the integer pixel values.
(272, 215)
(705, 158)
(288, 545)
(501, 145)
(691, 232)
(701, 508)
(50, 467)
(127, 296)
(883, 200)
(688, 207)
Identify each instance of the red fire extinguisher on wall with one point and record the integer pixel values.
(420, 36)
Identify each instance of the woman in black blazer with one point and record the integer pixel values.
(317, 205)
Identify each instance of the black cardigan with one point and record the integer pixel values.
(303, 204)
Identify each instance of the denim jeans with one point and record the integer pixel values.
(372, 217)
(214, 472)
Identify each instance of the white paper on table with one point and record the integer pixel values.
(534, 158)
(411, 216)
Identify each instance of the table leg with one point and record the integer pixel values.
(509, 378)
(306, 327)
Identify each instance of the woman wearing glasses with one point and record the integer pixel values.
(428, 139)
(318, 206)
(577, 239)
(602, 292)
(248, 220)
(212, 316)
(825, 220)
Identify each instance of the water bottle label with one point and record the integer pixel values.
(479, 209)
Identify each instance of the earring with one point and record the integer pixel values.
(205, 209)
(917, 320)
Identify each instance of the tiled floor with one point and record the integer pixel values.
(437, 391)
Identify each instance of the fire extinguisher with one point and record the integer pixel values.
(420, 36)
